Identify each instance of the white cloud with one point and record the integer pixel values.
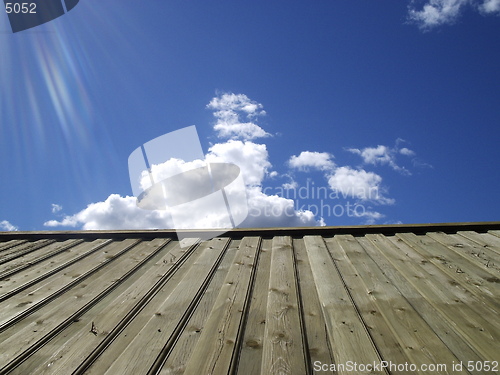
(228, 110)
(245, 131)
(167, 169)
(436, 12)
(308, 159)
(407, 152)
(374, 155)
(7, 227)
(275, 211)
(118, 212)
(56, 208)
(439, 12)
(383, 155)
(359, 184)
(115, 212)
(370, 217)
(490, 6)
(252, 158)
(236, 102)
(290, 185)
(265, 209)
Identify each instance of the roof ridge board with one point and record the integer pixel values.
(262, 232)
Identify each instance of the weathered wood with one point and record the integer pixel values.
(426, 295)
(471, 282)
(420, 344)
(494, 232)
(283, 342)
(138, 345)
(43, 292)
(434, 286)
(488, 241)
(23, 249)
(214, 352)
(250, 360)
(347, 334)
(472, 250)
(175, 363)
(9, 244)
(238, 233)
(315, 329)
(20, 282)
(66, 351)
(386, 254)
(398, 330)
(29, 260)
(50, 315)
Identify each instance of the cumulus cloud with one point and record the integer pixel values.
(118, 212)
(346, 182)
(7, 226)
(252, 158)
(439, 12)
(384, 155)
(316, 160)
(359, 184)
(357, 187)
(229, 110)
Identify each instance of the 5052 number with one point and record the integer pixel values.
(20, 7)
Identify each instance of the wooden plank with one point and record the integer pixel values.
(47, 289)
(11, 243)
(19, 282)
(434, 287)
(388, 229)
(214, 351)
(386, 311)
(35, 257)
(17, 338)
(22, 246)
(388, 256)
(488, 241)
(175, 363)
(472, 249)
(348, 336)
(25, 248)
(284, 351)
(493, 232)
(250, 359)
(378, 247)
(139, 343)
(72, 346)
(315, 329)
(472, 283)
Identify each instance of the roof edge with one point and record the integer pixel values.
(387, 229)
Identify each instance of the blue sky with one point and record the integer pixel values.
(400, 99)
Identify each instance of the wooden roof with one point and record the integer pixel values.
(267, 301)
